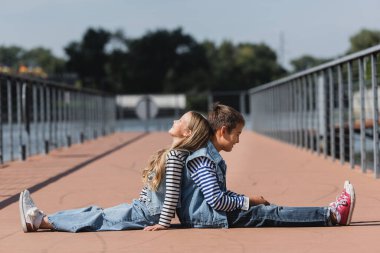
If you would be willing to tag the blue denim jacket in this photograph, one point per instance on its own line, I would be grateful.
(195, 211)
(155, 199)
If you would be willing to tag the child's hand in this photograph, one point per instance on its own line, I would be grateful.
(155, 228)
(258, 200)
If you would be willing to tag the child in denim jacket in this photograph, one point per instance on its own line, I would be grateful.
(206, 201)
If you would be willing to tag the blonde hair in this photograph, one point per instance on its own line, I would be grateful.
(200, 134)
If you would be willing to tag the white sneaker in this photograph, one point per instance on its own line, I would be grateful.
(350, 188)
(30, 216)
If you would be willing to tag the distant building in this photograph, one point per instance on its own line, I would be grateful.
(168, 104)
(368, 103)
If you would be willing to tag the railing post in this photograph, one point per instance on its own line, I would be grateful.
(68, 116)
(350, 114)
(35, 118)
(305, 116)
(288, 114)
(42, 117)
(242, 102)
(376, 167)
(362, 116)
(340, 102)
(1, 127)
(331, 107)
(10, 118)
(60, 121)
(326, 111)
(294, 113)
(298, 113)
(19, 118)
(48, 136)
(317, 104)
(54, 116)
(311, 114)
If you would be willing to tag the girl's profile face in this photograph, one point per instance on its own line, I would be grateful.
(180, 127)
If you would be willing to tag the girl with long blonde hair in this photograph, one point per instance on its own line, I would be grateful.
(158, 199)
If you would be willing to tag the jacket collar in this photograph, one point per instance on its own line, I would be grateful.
(214, 153)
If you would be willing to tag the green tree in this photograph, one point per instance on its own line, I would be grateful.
(364, 39)
(42, 57)
(116, 67)
(306, 61)
(165, 61)
(35, 58)
(88, 58)
(242, 66)
(168, 61)
(10, 56)
(257, 64)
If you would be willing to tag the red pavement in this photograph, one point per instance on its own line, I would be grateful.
(106, 172)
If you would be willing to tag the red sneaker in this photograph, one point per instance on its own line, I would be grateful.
(344, 205)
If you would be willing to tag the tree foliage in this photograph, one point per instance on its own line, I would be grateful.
(364, 39)
(88, 58)
(242, 66)
(43, 58)
(168, 61)
(165, 61)
(306, 61)
(15, 58)
(11, 56)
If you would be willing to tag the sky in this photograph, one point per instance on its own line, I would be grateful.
(321, 28)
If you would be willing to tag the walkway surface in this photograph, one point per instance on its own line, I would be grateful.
(106, 172)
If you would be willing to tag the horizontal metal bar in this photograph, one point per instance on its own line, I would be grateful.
(338, 61)
(24, 79)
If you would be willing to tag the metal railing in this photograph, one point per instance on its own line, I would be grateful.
(331, 109)
(37, 116)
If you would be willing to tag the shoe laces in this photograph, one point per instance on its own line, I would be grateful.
(29, 201)
(342, 200)
(35, 216)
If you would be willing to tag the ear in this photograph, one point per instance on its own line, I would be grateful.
(188, 133)
(223, 130)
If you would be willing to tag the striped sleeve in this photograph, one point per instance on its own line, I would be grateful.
(203, 172)
(233, 194)
(144, 194)
(175, 161)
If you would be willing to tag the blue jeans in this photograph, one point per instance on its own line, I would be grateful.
(279, 216)
(93, 218)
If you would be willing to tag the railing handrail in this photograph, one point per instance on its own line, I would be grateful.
(338, 61)
(53, 83)
(323, 108)
(40, 114)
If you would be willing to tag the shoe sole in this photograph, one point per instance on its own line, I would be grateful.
(346, 183)
(22, 213)
(350, 189)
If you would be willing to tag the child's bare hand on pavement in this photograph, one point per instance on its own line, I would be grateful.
(154, 228)
(258, 200)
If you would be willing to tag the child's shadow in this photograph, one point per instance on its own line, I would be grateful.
(365, 223)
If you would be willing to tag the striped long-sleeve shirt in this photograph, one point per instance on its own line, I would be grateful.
(203, 172)
(175, 160)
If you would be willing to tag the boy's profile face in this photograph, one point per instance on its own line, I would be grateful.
(227, 139)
